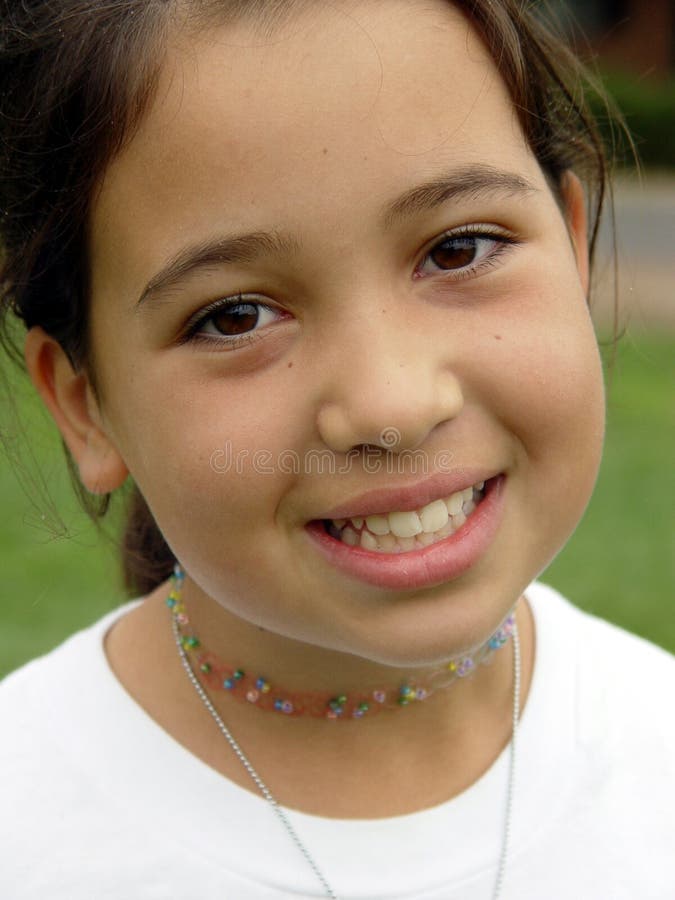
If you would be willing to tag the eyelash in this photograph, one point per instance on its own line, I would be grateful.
(503, 241)
(191, 333)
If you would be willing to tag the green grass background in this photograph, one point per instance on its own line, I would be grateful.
(59, 575)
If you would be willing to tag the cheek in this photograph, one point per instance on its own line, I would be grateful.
(207, 452)
(551, 395)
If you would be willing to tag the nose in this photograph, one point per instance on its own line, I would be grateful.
(386, 386)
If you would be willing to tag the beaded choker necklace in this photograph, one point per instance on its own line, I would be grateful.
(258, 691)
(189, 644)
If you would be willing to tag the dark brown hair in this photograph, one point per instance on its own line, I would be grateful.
(75, 79)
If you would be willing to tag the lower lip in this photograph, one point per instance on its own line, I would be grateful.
(427, 566)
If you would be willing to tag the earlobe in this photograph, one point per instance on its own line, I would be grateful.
(68, 396)
(574, 200)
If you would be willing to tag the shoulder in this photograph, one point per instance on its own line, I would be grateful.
(624, 684)
(600, 754)
(42, 699)
(610, 646)
(48, 781)
(78, 649)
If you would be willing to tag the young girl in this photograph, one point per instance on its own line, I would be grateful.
(315, 277)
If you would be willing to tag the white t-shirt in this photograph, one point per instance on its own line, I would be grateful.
(97, 802)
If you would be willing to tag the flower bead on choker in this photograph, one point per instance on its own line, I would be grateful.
(258, 691)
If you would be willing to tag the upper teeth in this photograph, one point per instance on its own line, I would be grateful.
(428, 519)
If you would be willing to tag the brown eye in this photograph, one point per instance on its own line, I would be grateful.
(233, 320)
(464, 253)
(455, 253)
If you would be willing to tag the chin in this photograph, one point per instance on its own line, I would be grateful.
(429, 630)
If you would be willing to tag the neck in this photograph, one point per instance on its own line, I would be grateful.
(352, 698)
(431, 751)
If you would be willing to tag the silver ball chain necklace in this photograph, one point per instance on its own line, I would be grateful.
(279, 811)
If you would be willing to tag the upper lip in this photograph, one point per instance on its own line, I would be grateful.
(407, 497)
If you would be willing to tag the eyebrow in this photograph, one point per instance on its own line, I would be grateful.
(239, 248)
(468, 182)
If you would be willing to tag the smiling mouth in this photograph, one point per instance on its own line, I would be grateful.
(401, 532)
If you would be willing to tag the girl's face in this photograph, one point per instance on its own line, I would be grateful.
(358, 183)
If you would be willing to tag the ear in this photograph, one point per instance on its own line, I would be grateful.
(70, 399)
(574, 209)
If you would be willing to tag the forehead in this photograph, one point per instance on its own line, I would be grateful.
(338, 107)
